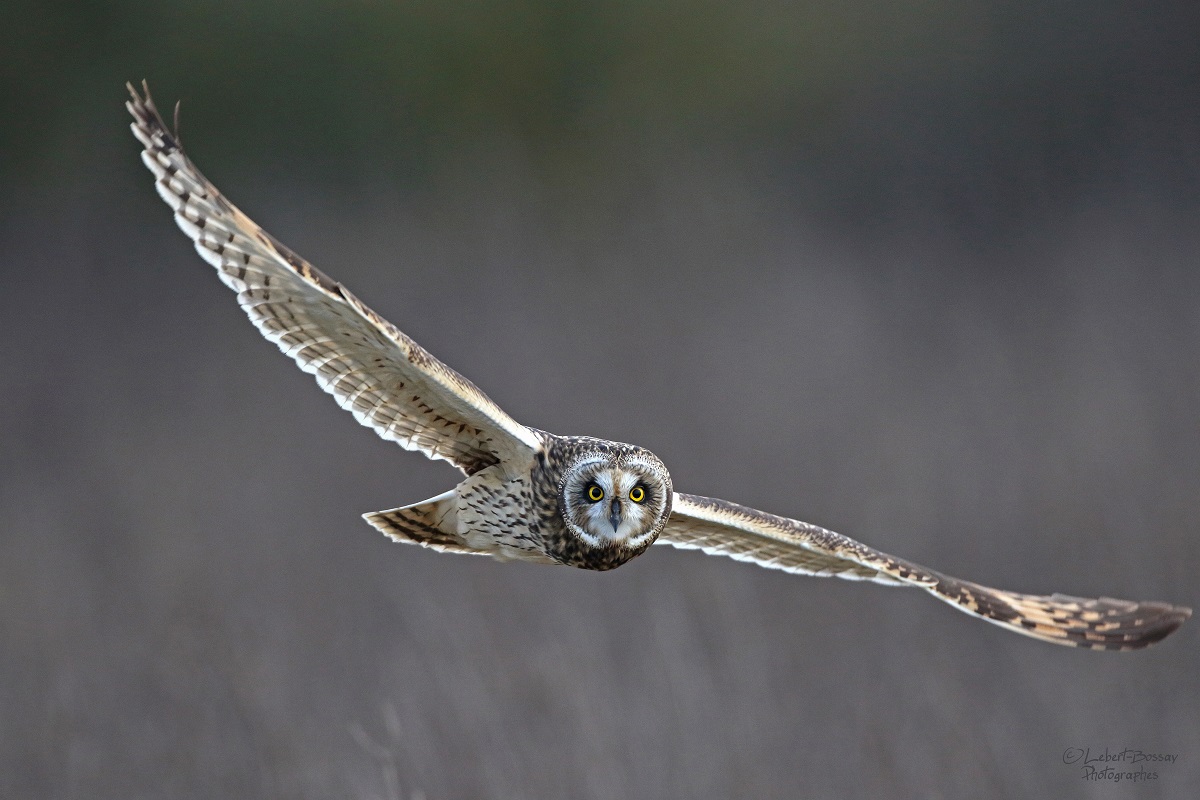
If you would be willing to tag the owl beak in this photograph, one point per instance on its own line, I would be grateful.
(614, 515)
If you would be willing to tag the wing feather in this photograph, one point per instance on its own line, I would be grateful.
(718, 527)
(377, 373)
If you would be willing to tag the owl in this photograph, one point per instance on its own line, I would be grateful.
(530, 495)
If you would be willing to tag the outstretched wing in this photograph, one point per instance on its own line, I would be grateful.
(727, 529)
(376, 372)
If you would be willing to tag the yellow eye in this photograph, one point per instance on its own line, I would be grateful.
(637, 494)
(595, 493)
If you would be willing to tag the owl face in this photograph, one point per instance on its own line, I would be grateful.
(616, 499)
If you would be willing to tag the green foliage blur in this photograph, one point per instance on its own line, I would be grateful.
(857, 108)
(345, 80)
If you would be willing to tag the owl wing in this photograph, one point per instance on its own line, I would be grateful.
(721, 528)
(385, 379)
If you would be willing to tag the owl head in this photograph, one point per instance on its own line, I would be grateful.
(614, 502)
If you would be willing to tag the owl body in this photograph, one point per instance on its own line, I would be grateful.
(525, 511)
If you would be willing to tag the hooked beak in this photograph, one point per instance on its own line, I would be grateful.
(614, 515)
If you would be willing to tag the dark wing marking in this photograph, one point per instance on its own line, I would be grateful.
(432, 523)
(721, 528)
(373, 370)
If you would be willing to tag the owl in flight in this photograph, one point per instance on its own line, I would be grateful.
(529, 495)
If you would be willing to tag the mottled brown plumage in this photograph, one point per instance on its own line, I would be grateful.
(530, 495)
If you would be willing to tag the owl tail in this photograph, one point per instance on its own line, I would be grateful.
(432, 523)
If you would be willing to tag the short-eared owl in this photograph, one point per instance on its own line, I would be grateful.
(530, 495)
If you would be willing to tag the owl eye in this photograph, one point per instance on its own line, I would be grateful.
(637, 494)
(595, 493)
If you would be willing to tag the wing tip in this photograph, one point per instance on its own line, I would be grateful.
(1103, 623)
(1125, 625)
(148, 122)
(1168, 620)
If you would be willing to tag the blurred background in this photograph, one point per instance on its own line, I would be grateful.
(927, 274)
